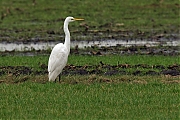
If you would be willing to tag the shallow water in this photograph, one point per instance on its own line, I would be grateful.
(20, 46)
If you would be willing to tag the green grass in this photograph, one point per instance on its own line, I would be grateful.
(148, 61)
(25, 20)
(35, 61)
(95, 101)
(91, 96)
(122, 59)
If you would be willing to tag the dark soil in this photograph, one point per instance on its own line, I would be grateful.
(142, 50)
(101, 69)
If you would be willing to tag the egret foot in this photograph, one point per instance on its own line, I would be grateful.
(57, 78)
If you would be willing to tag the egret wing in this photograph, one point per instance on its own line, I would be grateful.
(58, 58)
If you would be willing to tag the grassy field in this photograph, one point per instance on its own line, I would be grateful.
(24, 20)
(35, 61)
(90, 101)
(90, 59)
(90, 96)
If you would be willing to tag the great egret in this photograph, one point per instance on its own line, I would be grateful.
(60, 52)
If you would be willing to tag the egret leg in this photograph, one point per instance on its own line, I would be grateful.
(59, 77)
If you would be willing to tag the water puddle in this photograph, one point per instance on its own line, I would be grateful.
(20, 46)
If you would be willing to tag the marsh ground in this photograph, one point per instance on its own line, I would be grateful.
(42, 20)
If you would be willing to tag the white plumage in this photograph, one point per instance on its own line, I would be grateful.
(59, 54)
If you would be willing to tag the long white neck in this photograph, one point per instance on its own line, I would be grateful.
(67, 36)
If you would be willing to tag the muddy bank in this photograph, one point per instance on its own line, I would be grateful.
(97, 42)
(82, 44)
(132, 50)
(101, 69)
(91, 38)
(105, 50)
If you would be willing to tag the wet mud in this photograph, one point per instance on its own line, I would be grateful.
(101, 69)
(132, 50)
(25, 72)
(104, 50)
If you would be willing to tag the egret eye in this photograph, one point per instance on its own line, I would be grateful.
(72, 19)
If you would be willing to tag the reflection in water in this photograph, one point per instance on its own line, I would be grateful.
(82, 44)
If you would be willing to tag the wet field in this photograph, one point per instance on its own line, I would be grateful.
(145, 29)
(157, 46)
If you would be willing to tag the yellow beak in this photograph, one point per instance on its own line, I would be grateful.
(78, 19)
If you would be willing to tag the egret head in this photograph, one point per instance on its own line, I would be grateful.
(71, 19)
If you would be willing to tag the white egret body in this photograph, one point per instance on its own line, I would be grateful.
(60, 52)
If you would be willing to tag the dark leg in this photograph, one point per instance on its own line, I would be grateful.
(59, 77)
